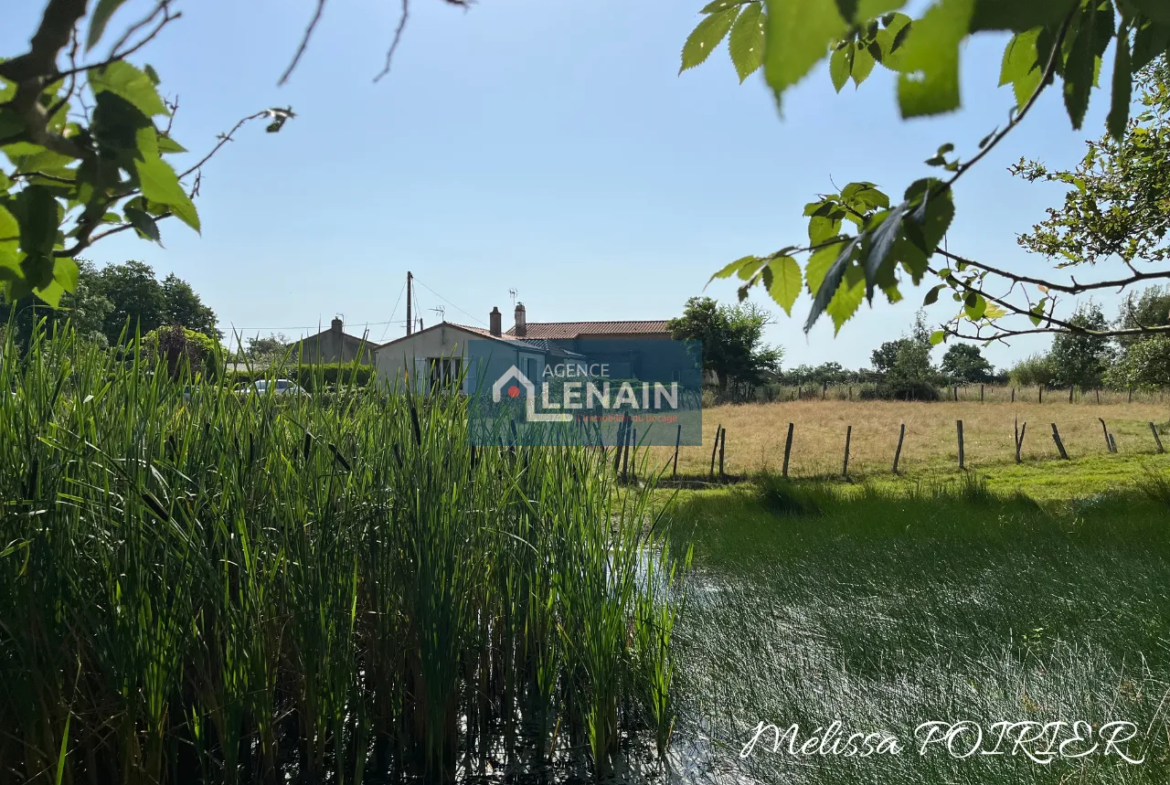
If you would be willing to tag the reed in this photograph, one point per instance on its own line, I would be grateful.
(254, 589)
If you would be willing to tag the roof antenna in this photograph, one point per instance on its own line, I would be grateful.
(512, 294)
(441, 311)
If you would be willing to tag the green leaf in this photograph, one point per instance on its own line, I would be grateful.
(1080, 66)
(937, 337)
(123, 79)
(168, 145)
(720, 5)
(829, 278)
(799, 33)
(1158, 10)
(1021, 66)
(706, 36)
(747, 41)
(847, 298)
(933, 216)
(976, 307)
(148, 69)
(932, 296)
(864, 196)
(822, 228)
(1150, 42)
(66, 272)
(863, 64)
(1122, 88)
(929, 82)
(9, 233)
(882, 238)
(143, 224)
(746, 262)
(841, 65)
(1019, 15)
(160, 184)
(101, 16)
(847, 9)
(784, 283)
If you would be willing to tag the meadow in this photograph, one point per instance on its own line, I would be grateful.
(756, 435)
(333, 589)
(885, 610)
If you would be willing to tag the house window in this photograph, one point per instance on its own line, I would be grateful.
(445, 373)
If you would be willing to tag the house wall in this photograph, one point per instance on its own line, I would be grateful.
(397, 362)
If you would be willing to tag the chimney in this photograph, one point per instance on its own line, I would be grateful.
(335, 326)
(495, 322)
(521, 329)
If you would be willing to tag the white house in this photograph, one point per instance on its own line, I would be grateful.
(434, 358)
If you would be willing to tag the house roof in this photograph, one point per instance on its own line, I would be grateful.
(562, 331)
(511, 340)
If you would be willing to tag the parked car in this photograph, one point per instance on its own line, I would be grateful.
(278, 387)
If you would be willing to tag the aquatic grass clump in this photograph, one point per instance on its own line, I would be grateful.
(252, 589)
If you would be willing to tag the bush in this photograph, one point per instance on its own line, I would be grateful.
(182, 349)
(1033, 371)
(901, 390)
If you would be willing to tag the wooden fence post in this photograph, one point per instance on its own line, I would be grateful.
(722, 447)
(788, 448)
(1105, 428)
(634, 460)
(1020, 432)
(1098, 395)
(848, 440)
(981, 393)
(1112, 444)
(714, 451)
(677, 442)
(1130, 395)
(1157, 439)
(851, 392)
(824, 390)
(619, 440)
(959, 428)
(1013, 395)
(898, 452)
(1059, 443)
(1040, 393)
(1071, 388)
(955, 392)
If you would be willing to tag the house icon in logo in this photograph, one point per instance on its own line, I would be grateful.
(530, 413)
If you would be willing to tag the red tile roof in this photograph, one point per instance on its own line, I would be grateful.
(563, 331)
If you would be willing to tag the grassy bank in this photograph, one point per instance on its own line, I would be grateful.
(887, 610)
(228, 589)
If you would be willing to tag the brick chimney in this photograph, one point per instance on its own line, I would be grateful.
(335, 326)
(521, 329)
(495, 322)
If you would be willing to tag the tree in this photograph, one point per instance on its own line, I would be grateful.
(268, 348)
(1144, 361)
(85, 308)
(965, 363)
(904, 366)
(1150, 309)
(732, 339)
(1033, 371)
(183, 306)
(860, 242)
(1081, 358)
(137, 299)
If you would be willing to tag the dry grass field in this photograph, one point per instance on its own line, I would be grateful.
(756, 435)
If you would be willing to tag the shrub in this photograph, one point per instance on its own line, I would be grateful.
(1033, 371)
(182, 349)
(314, 378)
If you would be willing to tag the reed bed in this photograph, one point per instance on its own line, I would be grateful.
(261, 589)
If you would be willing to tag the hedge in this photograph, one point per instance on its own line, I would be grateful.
(311, 377)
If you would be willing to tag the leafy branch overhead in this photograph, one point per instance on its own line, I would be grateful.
(86, 147)
(861, 243)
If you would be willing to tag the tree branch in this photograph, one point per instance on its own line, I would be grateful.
(304, 42)
(1075, 288)
(397, 39)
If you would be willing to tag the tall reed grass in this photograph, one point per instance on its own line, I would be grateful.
(261, 589)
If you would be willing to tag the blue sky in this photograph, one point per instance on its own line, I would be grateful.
(549, 147)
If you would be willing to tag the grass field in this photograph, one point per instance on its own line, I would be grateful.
(756, 434)
(885, 611)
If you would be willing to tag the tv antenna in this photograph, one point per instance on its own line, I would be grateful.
(512, 294)
(441, 311)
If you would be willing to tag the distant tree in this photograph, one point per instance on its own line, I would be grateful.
(85, 308)
(1081, 358)
(1144, 365)
(963, 362)
(732, 337)
(1033, 371)
(183, 306)
(267, 348)
(904, 367)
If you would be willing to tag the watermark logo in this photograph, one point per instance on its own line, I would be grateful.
(592, 392)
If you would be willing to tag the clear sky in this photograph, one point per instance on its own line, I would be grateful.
(547, 147)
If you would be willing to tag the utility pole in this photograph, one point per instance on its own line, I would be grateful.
(409, 295)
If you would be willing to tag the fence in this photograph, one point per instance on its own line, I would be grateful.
(963, 393)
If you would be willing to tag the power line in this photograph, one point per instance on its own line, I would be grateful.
(230, 326)
(444, 299)
(400, 291)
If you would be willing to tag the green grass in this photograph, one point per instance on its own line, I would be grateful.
(886, 608)
(339, 590)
